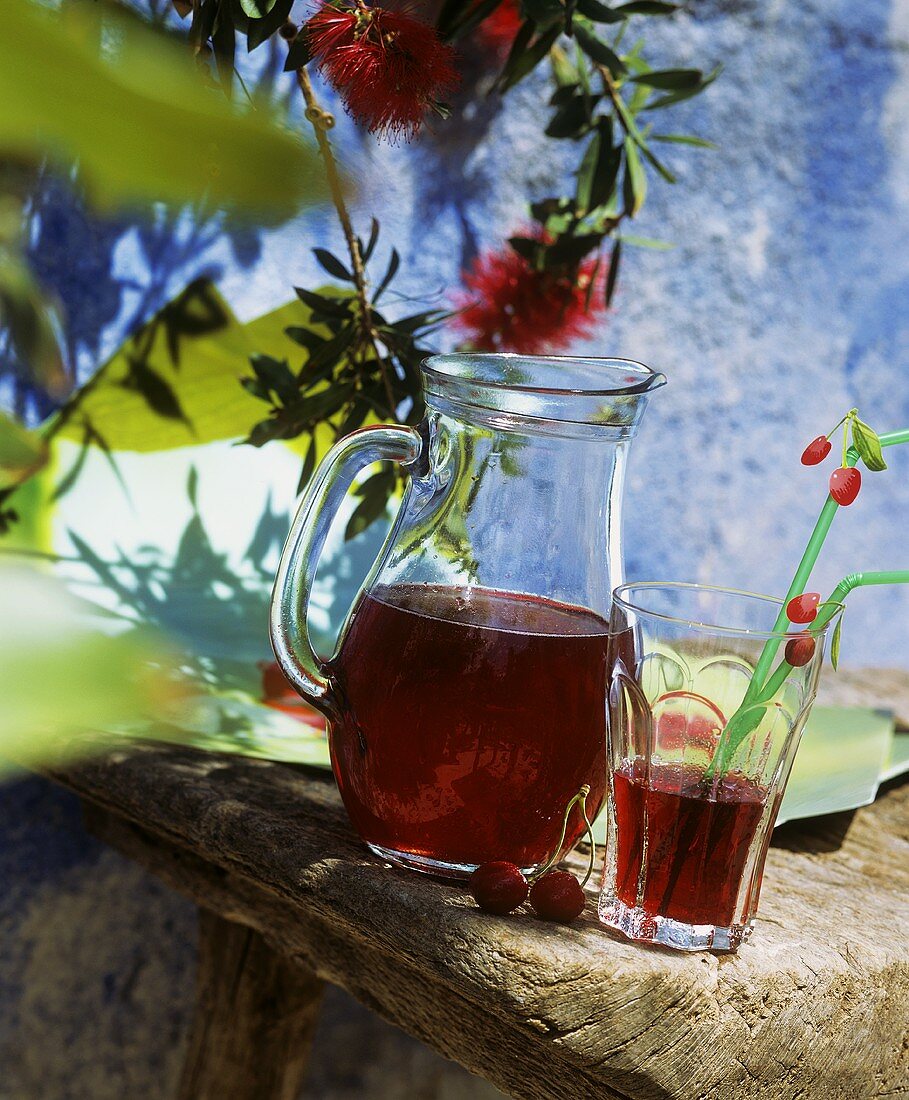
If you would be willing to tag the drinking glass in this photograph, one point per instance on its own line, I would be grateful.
(706, 708)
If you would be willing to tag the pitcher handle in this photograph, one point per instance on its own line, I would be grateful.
(300, 556)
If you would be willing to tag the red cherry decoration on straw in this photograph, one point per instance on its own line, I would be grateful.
(498, 886)
(845, 484)
(803, 609)
(816, 451)
(557, 896)
(800, 650)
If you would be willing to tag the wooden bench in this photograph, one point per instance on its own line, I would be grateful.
(815, 1007)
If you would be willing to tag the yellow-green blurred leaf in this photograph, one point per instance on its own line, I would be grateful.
(176, 382)
(61, 676)
(136, 116)
(21, 452)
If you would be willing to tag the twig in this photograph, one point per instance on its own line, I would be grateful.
(322, 121)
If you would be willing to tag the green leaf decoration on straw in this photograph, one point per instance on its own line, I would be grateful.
(867, 442)
(835, 644)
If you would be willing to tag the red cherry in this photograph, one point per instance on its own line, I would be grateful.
(803, 609)
(800, 650)
(498, 887)
(816, 451)
(557, 896)
(845, 483)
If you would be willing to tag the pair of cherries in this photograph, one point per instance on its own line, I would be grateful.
(845, 481)
(500, 887)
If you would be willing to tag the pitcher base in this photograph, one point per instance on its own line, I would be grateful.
(427, 865)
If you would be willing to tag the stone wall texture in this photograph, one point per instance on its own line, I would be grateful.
(783, 304)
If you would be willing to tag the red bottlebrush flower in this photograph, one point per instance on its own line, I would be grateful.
(508, 305)
(329, 29)
(497, 31)
(388, 67)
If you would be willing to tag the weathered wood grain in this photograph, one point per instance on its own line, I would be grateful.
(254, 1021)
(816, 1007)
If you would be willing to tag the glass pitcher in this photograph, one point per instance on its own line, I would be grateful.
(466, 696)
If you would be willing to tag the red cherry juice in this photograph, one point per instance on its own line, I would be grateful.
(472, 716)
(697, 840)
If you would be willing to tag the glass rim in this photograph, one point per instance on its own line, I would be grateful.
(618, 597)
(650, 379)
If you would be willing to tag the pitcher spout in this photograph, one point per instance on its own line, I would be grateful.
(563, 395)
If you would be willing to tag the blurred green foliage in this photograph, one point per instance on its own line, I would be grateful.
(61, 676)
(95, 84)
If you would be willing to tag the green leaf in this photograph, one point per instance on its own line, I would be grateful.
(321, 304)
(608, 165)
(137, 118)
(393, 264)
(683, 139)
(22, 452)
(260, 30)
(529, 248)
(647, 7)
(224, 45)
(564, 94)
(276, 376)
(672, 79)
(564, 73)
(525, 55)
(543, 12)
(647, 242)
(332, 264)
(635, 183)
(587, 173)
(598, 12)
(684, 93)
(457, 18)
(571, 249)
(257, 9)
(866, 442)
(612, 274)
(835, 643)
(366, 253)
(572, 119)
(309, 465)
(329, 354)
(298, 54)
(375, 492)
(597, 50)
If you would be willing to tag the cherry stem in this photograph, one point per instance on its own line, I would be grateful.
(580, 800)
(593, 845)
(852, 412)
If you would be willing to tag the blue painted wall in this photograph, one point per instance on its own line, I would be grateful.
(783, 304)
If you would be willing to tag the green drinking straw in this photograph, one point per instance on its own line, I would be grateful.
(756, 695)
